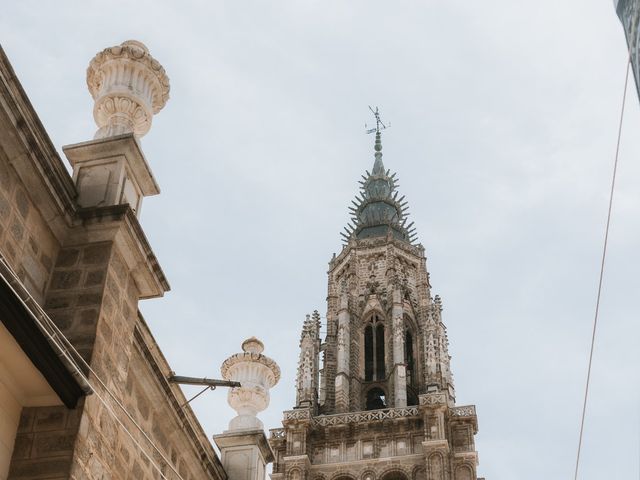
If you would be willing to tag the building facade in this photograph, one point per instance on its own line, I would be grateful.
(375, 399)
(85, 391)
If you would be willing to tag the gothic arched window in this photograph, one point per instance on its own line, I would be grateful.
(374, 350)
(412, 397)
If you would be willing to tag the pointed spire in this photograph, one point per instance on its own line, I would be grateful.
(378, 166)
(377, 211)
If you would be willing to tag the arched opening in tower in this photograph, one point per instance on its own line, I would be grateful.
(374, 359)
(376, 399)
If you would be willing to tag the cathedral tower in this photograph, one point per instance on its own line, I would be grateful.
(375, 400)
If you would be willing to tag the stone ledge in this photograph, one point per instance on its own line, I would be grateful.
(118, 224)
(239, 438)
(125, 145)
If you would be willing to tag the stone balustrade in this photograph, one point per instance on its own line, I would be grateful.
(465, 411)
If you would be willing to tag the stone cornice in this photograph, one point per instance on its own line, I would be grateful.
(244, 438)
(118, 223)
(126, 145)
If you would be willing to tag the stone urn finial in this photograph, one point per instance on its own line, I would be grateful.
(128, 86)
(256, 373)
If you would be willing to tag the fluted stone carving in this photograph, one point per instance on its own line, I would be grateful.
(256, 373)
(128, 86)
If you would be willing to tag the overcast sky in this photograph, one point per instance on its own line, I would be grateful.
(504, 116)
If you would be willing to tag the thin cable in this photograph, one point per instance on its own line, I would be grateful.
(602, 263)
(59, 335)
(115, 399)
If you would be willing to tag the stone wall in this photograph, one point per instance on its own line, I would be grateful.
(45, 443)
(26, 241)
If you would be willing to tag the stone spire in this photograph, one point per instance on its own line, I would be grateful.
(128, 86)
(377, 211)
(307, 376)
(436, 345)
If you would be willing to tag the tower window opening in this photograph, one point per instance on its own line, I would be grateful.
(368, 353)
(376, 399)
(374, 361)
(408, 357)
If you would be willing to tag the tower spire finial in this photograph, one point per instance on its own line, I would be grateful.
(378, 166)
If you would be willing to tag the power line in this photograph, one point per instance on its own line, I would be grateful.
(602, 263)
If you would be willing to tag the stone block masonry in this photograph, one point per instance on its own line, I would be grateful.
(45, 443)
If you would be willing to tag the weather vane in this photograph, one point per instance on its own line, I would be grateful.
(379, 123)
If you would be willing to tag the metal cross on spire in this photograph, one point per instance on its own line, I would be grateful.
(379, 123)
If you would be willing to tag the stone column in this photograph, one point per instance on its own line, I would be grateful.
(244, 447)
(399, 367)
(344, 341)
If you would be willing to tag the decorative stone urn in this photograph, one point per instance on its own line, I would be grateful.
(128, 86)
(256, 373)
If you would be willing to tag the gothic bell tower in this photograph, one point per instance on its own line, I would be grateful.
(375, 400)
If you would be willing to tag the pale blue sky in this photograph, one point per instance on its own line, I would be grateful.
(504, 119)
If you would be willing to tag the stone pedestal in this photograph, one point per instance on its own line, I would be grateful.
(111, 171)
(245, 454)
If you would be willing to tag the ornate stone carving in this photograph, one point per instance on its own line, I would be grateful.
(297, 414)
(128, 86)
(433, 399)
(364, 416)
(256, 374)
(464, 411)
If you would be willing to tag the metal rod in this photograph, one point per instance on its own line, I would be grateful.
(202, 381)
(197, 395)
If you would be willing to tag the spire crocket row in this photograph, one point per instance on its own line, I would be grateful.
(375, 399)
(377, 211)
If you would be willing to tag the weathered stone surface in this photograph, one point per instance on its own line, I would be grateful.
(22, 203)
(65, 279)
(97, 254)
(94, 278)
(50, 419)
(22, 446)
(67, 257)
